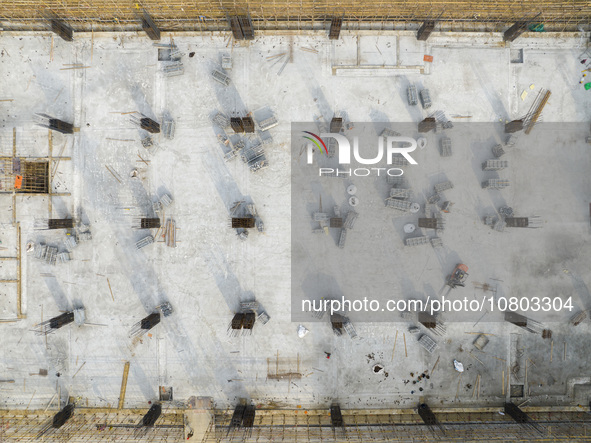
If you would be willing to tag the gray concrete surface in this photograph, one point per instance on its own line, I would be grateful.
(210, 271)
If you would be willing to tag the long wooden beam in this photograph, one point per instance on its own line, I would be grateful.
(531, 123)
(123, 385)
(50, 178)
(19, 285)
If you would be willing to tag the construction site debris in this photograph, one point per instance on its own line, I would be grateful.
(302, 331)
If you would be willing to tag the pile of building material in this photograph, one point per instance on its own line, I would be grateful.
(499, 150)
(446, 207)
(144, 241)
(165, 309)
(173, 68)
(416, 241)
(82, 234)
(443, 186)
(146, 123)
(163, 202)
(54, 124)
(145, 223)
(221, 120)
(235, 149)
(220, 77)
(494, 165)
(144, 325)
(149, 145)
(432, 322)
(578, 318)
(436, 223)
(399, 205)
(427, 124)
(244, 216)
(350, 220)
(349, 328)
(345, 121)
(481, 342)
(254, 156)
(337, 322)
(436, 242)
(268, 123)
(428, 343)
(337, 222)
(242, 324)
(331, 147)
(242, 124)
(442, 121)
(46, 253)
(411, 94)
(250, 149)
(265, 119)
(230, 150)
(400, 195)
(54, 223)
(77, 316)
(445, 150)
(437, 194)
(507, 219)
(387, 132)
(168, 128)
(425, 98)
(526, 323)
(263, 318)
(336, 124)
(249, 306)
(497, 165)
(52, 254)
(495, 183)
(70, 242)
(226, 62)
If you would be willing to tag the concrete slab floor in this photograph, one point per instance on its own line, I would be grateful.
(210, 271)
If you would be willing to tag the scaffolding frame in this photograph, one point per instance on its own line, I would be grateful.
(36, 178)
(17, 280)
(36, 175)
(206, 15)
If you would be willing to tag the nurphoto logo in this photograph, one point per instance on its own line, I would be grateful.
(395, 145)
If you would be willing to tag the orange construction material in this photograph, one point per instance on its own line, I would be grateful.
(428, 58)
(18, 181)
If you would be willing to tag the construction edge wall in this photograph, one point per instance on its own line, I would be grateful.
(553, 423)
(212, 15)
(404, 425)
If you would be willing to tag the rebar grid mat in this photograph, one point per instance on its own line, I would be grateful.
(316, 426)
(210, 15)
(89, 426)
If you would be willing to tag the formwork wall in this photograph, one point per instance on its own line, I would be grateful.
(171, 15)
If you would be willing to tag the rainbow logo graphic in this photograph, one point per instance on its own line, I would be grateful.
(316, 142)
